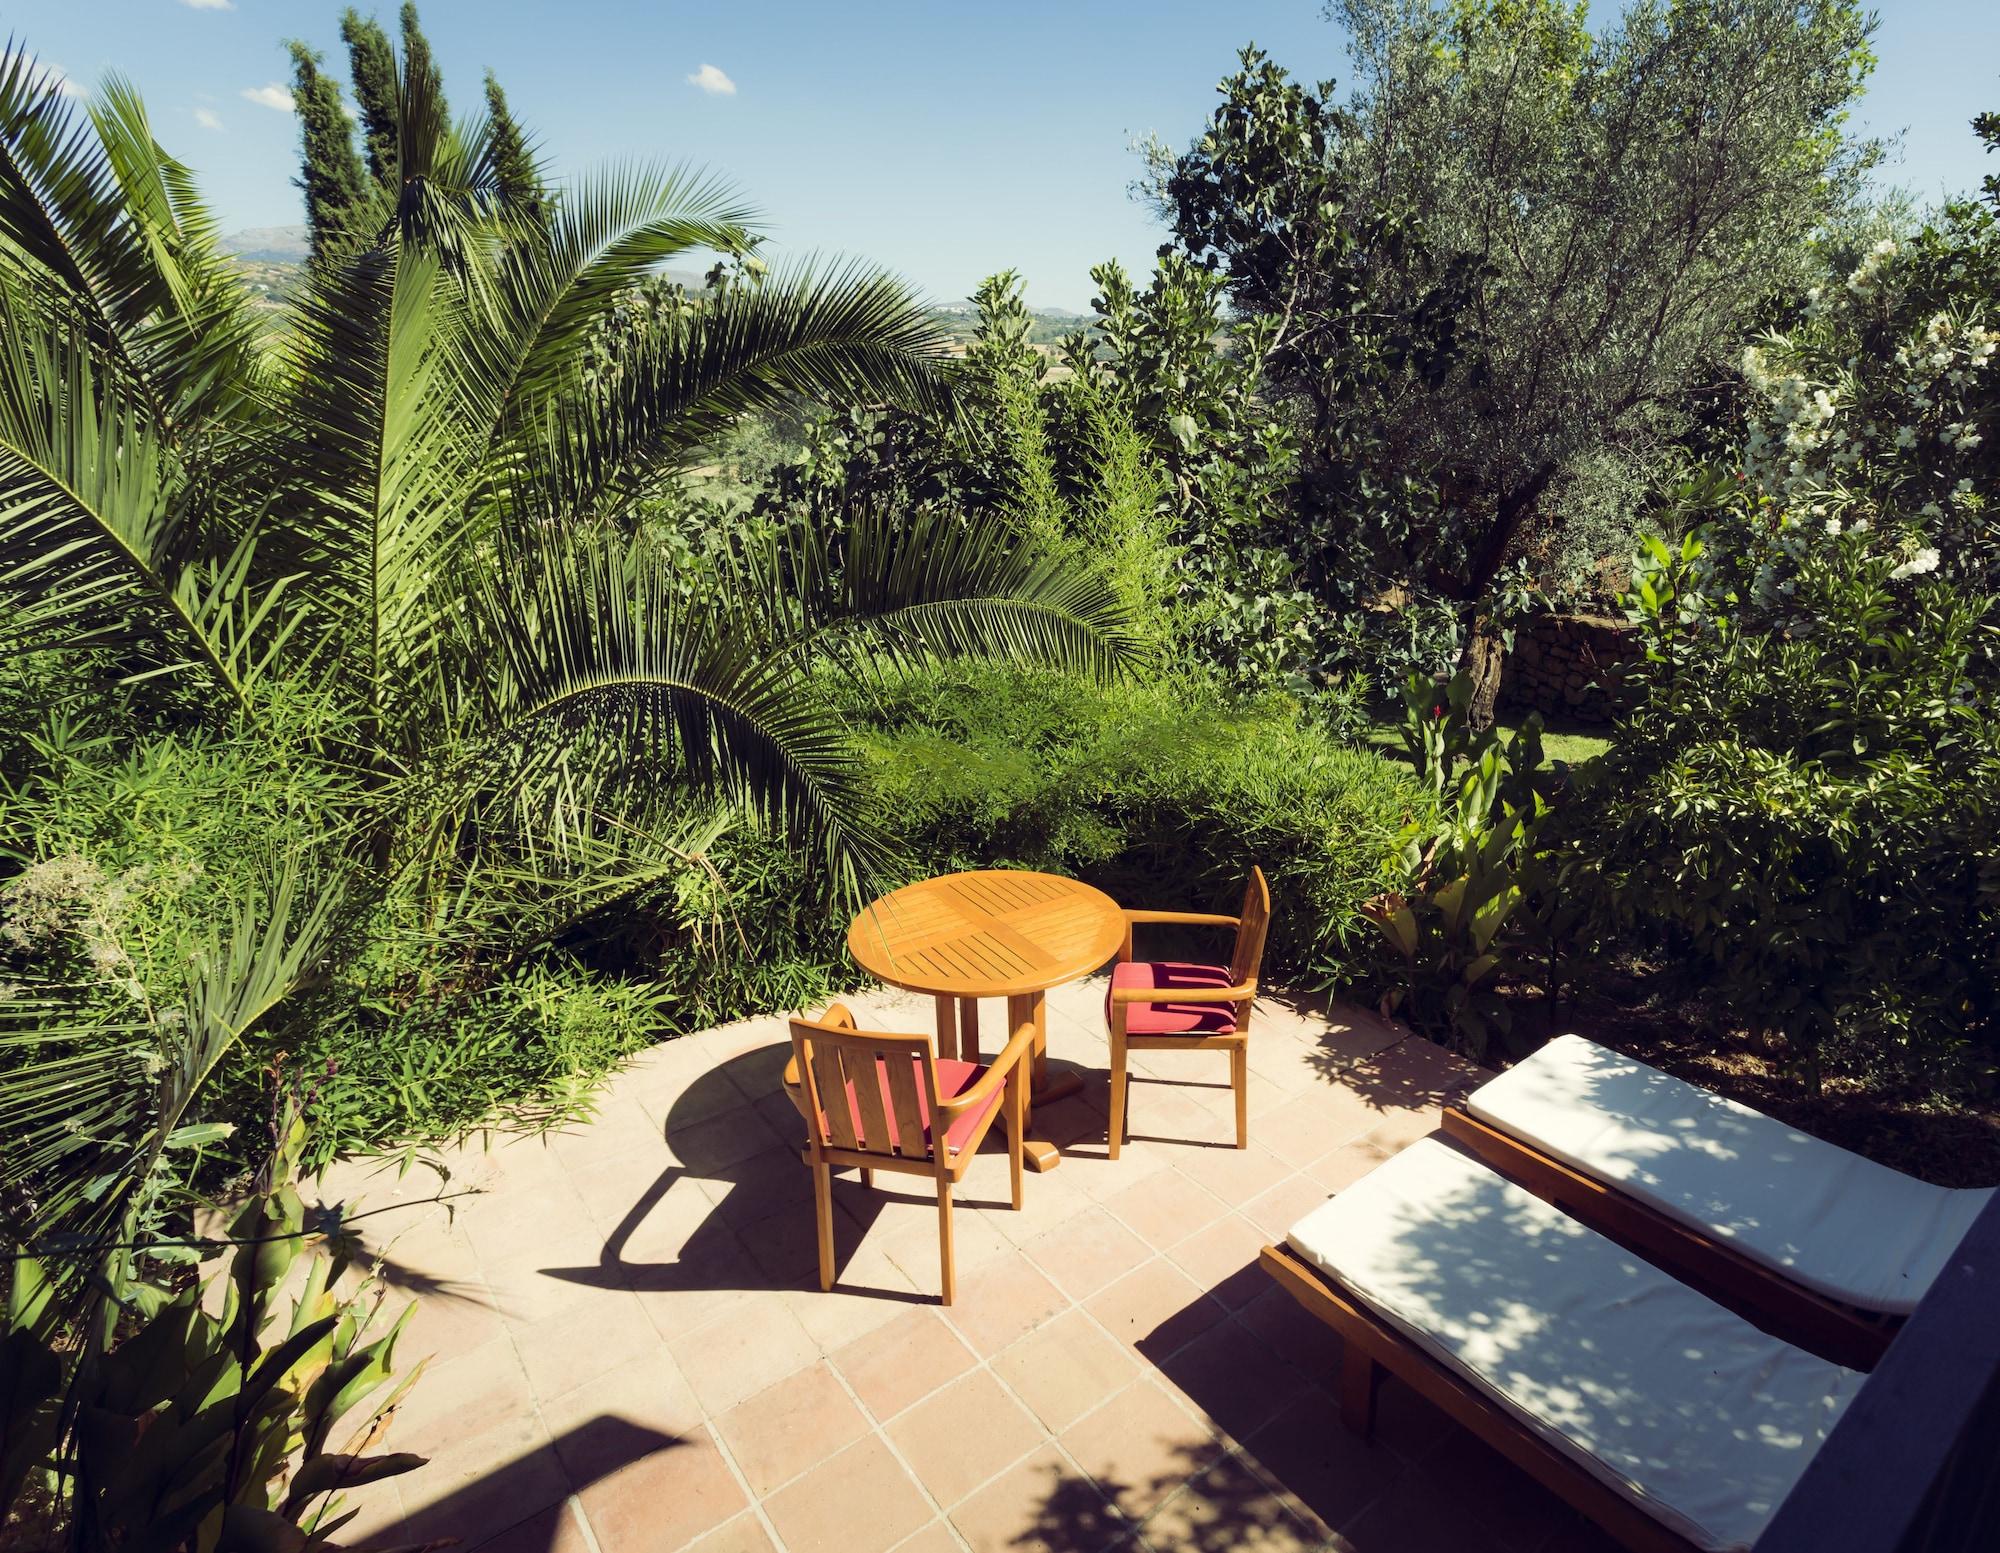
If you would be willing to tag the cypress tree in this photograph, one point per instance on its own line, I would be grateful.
(330, 171)
(417, 58)
(521, 188)
(373, 64)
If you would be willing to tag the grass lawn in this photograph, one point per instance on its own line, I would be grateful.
(1574, 745)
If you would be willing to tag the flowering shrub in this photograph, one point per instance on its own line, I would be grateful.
(1882, 407)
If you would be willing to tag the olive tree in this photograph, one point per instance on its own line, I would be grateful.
(1557, 235)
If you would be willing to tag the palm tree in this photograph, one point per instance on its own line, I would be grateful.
(419, 504)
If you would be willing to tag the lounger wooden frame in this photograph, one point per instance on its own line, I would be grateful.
(1370, 1346)
(1764, 1298)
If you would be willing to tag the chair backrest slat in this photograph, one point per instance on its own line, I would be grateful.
(866, 1072)
(1254, 925)
(909, 1119)
(831, 1078)
(844, 1071)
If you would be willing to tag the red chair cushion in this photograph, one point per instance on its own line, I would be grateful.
(1168, 1017)
(954, 1079)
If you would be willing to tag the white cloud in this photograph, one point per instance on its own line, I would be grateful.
(209, 5)
(207, 118)
(270, 95)
(713, 81)
(53, 75)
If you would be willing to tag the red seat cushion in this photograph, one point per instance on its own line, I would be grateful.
(954, 1079)
(1168, 1017)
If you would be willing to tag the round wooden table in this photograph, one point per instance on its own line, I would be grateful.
(993, 934)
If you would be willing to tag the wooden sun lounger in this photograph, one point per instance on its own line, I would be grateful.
(1668, 1419)
(1370, 1347)
(1851, 1337)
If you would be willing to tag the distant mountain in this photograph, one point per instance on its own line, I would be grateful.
(268, 244)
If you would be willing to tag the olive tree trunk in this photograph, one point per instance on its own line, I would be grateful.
(1484, 657)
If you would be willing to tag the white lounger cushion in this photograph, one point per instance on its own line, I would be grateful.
(1687, 1410)
(1841, 1225)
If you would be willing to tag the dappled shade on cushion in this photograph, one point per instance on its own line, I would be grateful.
(1168, 1017)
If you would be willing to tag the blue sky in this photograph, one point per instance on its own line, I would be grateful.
(946, 139)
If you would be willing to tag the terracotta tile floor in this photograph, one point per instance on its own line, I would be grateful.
(630, 1352)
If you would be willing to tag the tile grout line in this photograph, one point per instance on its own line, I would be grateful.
(1231, 1446)
(574, 1504)
(743, 1482)
(879, 1427)
(1050, 1437)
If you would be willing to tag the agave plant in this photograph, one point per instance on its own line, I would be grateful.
(417, 500)
(208, 1424)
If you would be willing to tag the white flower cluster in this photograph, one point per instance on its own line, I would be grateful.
(1820, 422)
(1867, 276)
(1925, 560)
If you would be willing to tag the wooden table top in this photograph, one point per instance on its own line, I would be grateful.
(993, 934)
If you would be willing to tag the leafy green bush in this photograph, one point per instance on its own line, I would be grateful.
(1800, 808)
(1160, 793)
(409, 1058)
(746, 928)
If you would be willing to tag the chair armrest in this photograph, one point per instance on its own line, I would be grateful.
(1011, 1056)
(1184, 994)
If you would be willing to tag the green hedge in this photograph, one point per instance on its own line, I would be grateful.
(1162, 794)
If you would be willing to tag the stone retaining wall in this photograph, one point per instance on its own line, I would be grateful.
(1568, 667)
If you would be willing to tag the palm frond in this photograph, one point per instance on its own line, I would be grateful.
(62, 209)
(92, 210)
(609, 233)
(100, 538)
(198, 347)
(448, 200)
(509, 873)
(75, 1081)
(602, 675)
(384, 456)
(893, 587)
(93, 1087)
(846, 335)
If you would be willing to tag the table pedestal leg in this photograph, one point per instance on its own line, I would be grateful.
(968, 1029)
(1034, 1006)
(947, 1026)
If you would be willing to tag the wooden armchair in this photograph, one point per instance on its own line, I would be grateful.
(1162, 1005)
(878, 1101)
